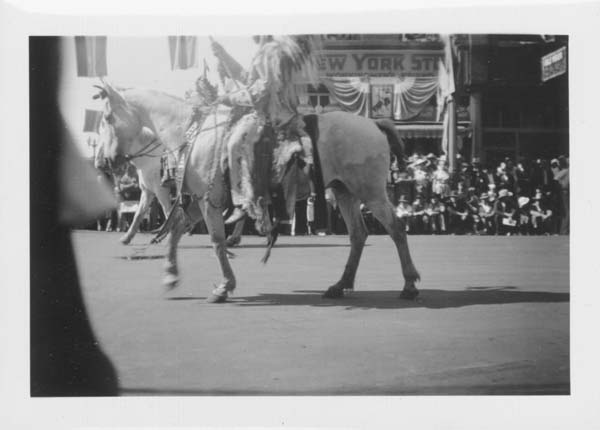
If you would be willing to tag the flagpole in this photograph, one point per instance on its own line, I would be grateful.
(451, 106)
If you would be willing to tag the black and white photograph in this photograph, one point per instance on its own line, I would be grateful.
(202, 156)
(330, 215)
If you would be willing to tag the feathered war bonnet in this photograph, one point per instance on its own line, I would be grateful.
(280, 59)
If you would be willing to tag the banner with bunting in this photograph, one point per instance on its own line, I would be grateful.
(91, 56)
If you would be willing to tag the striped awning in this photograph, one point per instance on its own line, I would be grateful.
(433, 130)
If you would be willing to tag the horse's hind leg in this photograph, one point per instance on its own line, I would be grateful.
(350, 209)
(396, 228)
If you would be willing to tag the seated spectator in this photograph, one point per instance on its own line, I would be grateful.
(404, 211)
(461, 190)
(421, 177)
(486, 214)
(523, 216)
(420, 217)
(127, 190)
(478, 179)
(435, 211)
(505, 211)
(404, 184)
(541, 215)
(523, 182)
(440, 180)
(459, 218)
(472, 202)
(430, 163)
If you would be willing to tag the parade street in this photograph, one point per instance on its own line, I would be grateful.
(492, 317)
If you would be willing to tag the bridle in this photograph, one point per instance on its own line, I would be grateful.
(146, 151)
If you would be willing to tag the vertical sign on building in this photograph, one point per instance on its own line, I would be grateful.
(554, 64)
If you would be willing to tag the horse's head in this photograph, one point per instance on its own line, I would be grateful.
(122, 131)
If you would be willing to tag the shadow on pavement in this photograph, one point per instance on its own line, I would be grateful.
(431, 299)
(282, 245)
(445, 390)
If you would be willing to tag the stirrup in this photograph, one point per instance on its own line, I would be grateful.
(238, 214)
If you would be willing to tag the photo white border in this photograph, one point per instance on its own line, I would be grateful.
(580, 410)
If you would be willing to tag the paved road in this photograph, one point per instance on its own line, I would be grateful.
(492, 317)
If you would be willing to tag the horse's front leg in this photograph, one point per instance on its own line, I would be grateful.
(171, 277)
(236, 236)
(145, 200)
(216, 228)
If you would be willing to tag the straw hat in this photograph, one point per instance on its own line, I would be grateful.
(522, 201)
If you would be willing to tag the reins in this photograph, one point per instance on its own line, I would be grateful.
(145, 152)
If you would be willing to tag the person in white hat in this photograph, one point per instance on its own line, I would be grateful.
(441, 180)
(459, 218)
(422, 178)
(405, 211)
(420, 217)
(486, 214)
(523, 216)
(541, 215)
(436, 211)
(505, 213)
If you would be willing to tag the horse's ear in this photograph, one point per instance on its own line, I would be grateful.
(114, 96)
(100, 95)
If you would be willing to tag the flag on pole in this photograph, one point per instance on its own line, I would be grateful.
(183, 52)
(92, 121)
(228, 67)
(446, 86)
(91, 56)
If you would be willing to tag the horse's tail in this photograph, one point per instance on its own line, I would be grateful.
(394, 140)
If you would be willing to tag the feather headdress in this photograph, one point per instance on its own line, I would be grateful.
(278, 61)
(227, 65)
(279, 57)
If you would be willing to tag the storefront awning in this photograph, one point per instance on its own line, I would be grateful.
(427, 130)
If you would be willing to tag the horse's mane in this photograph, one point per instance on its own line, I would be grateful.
(157, 101)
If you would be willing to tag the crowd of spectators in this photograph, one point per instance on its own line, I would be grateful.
(529, 197)
(127, 194)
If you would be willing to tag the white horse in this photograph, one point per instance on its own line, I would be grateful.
(352, 152)
(148, 167)
(148, 164)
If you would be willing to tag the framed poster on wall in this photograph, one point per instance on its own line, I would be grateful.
(382, 97)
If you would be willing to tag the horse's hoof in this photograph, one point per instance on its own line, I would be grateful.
(333, 293)
(409, 293)
(125, 240)
(217, 298)
(233, 241)
(170, 281)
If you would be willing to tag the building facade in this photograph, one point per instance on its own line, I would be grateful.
(503, 106)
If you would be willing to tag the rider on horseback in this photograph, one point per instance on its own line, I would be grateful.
(201, 97)
(267, 98)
